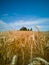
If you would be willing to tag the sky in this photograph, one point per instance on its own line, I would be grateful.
(15, 14)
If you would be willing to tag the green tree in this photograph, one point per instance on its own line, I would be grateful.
(31, 29)
(23, 28)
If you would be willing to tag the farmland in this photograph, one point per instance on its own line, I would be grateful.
(26, 45)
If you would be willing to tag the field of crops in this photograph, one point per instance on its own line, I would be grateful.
(20, 47)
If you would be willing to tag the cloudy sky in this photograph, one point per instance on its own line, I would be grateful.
(29, 13)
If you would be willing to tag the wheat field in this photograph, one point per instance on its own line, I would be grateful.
(23, 46)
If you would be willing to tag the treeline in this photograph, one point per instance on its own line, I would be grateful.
(25, 29)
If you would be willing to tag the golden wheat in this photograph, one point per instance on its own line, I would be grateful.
(25, 44)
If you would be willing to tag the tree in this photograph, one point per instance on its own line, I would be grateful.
(31, 29)
(23, 28)
(28, 29)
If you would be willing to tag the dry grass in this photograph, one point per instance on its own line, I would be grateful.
(25, 44)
